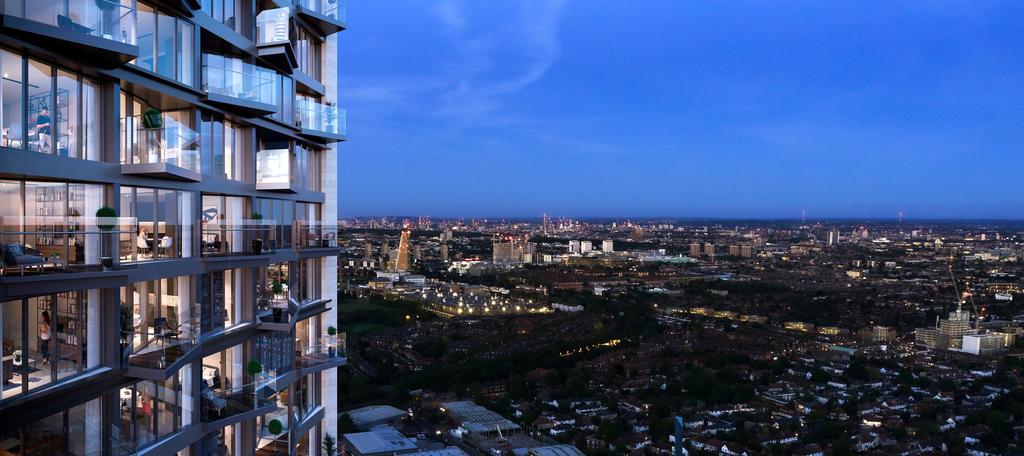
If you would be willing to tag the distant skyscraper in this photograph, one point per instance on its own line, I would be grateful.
(444, 253)
(734, 250)
(400, 262)
(574, 246)
(417, 252)
(368, 252)
(608, 245)
(545, 224)
(833, 237)
(746, 251)
(586, 246)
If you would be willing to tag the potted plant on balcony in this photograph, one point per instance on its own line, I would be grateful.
(152, 119)
(257, 243)
(275, 427)
(330, 445)
(332, 340)
(104, 222)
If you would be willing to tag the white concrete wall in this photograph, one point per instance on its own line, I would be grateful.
(329, 265)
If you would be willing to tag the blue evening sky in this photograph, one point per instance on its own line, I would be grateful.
(683, 108)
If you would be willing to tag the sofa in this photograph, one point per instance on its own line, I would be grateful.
(18, 256)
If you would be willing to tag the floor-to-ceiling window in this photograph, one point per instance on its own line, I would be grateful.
(151, 410)
(164, 223)
(166, 45)
(52, 220)
(45, 339)
(223, 144)
(53, 114)
(224, 228)
(76, 431)
(221, 300)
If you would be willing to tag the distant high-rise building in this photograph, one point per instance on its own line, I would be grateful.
(444, 252)
(746, 251)
(695, 250)
(709, 249)
(608, 246)
(734, 250)
(586, 246)
(400, 261)
(368, 252)
(545, 224)
(574, 246)
(513, 251)
(833, 237)
(417, 252)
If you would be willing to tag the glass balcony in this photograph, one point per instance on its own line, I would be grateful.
(112, 20)
(328, 16)
(231, 81)
(324, 120)
(159, 346)
(328, 351)
(63, 244)
(174, 143)
(316, 234)
(221, 403)
(272, 26)
(243, 237)
(332, 9)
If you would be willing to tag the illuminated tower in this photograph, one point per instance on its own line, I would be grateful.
(401, 261)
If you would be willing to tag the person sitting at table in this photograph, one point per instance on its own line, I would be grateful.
(142, 240)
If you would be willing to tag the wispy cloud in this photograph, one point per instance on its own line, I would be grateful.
(494, 63)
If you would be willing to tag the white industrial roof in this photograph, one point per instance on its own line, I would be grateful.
(363, 417)
(382, 439)
(556, 450)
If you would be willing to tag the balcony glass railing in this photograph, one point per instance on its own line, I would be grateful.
(236, 79)
(326, 350)
(220, 403)
(316, 234)
(108, 19)
(159, 347)
(59, 244)
(272, 26)
(273, 166)
(324, 118)
(173, 143)
(334, 9)
(244, 237)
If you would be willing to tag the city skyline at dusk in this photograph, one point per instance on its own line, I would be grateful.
(752, 111)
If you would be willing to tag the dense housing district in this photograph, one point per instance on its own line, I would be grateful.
(731, 337)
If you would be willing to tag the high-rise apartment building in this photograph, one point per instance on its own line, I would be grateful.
(168, 207)
(695, 250)
(608, 246)
(586, 246)
(709, 249)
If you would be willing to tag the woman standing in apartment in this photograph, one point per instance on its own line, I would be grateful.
(44, 336)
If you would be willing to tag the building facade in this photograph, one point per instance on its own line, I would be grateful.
(168, 207)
